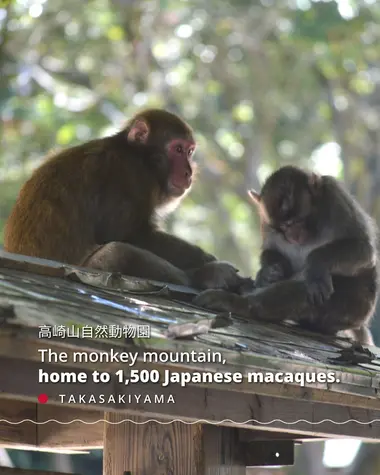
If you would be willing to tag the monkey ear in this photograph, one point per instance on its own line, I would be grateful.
(314, 182)
(138, 132)
(255, 197)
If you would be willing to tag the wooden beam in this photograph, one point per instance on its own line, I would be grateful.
(193, 403)
(86, 432)
(17, 434)
(77, 435)
(26, 348)
(152, 448)
(52, 436)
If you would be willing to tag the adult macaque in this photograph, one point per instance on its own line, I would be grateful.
(318, 262)
(97, 205)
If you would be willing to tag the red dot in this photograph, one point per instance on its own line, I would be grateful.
(43, 398)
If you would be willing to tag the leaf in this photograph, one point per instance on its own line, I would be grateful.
(115, 33)
(66, 134)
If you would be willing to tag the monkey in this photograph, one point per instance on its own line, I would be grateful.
(318, 264)
(98, 205)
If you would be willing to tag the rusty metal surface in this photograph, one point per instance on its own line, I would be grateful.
(54, 294)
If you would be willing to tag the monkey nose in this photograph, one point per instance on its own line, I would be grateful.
(188, 176)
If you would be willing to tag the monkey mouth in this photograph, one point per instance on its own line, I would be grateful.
(176, 190)
(296, 240)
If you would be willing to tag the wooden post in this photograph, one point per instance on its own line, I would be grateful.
(223, 453)
(169, 449)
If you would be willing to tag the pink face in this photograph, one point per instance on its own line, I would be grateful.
(180, 153)
(295, 233)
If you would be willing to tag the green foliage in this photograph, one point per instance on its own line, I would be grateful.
(262, 83)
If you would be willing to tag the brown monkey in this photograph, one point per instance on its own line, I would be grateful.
(97, 205)
(319, 258)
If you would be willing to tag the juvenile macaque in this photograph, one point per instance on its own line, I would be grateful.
(318, 261)
(97, 205)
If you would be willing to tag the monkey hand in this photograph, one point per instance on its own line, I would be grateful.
(319, 285)
(222, 301)
(247, 286)
(269, 275)
(218, 275)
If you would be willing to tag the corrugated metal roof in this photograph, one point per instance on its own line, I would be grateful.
(35, 292)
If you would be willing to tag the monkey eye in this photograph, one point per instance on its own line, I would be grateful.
(284, 225)
(299, 220)
(190, 152)
(179, 149)
(292, 222)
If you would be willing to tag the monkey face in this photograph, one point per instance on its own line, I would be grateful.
(291, 217)
(179, 153)
(294, 231)
(169, 146)
(286, 204)
(290, 213)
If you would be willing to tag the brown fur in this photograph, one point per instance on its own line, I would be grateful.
(96, 205)
(319, 258)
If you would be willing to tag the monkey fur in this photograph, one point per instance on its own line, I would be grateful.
(319, 265)
(97, 205)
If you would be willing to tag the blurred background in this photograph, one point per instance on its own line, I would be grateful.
(263, 83)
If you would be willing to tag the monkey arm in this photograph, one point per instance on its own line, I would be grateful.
(130, 260)
(274, 258)
(284, 300)
(349, 308)
(346, 256)
(274, 267)
(203, 270)
(175, 250)
(222, 301)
